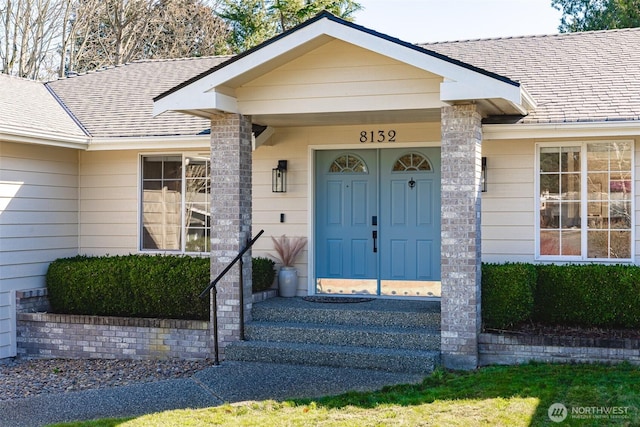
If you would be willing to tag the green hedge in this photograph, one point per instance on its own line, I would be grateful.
(130, 286)
(593, 295)
(263, 273)
(507, 294)
(588, 295)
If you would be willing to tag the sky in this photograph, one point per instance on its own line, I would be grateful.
(422, 21)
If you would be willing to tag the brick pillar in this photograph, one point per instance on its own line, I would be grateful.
(460, 251)
(230, 219)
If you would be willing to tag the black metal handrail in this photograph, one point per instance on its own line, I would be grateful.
(214, 283)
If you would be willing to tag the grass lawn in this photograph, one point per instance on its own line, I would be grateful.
(594, 395)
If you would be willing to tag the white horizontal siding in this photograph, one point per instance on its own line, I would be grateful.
(508, 232)
(38, 211)
(7, 324)
(109, 202)
(339, 76)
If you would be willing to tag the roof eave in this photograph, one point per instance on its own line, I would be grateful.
(25, 136)
(597, 129)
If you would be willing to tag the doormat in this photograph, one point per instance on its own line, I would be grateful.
(342, 300)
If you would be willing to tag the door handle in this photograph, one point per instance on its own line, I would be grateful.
(374, 234)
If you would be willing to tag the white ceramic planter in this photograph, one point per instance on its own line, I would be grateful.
(288, 281)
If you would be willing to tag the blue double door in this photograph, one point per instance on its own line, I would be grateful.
(377, 221)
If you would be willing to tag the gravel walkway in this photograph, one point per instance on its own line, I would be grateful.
(32, 377)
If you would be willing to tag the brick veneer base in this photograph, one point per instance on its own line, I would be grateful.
(503, 349)
(87, 337)
(90, 337)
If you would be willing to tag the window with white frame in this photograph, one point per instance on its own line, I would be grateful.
(175, 203)
(585, 201)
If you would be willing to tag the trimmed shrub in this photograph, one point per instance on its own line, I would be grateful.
(130, 286)
(593, 295)
(507, 294)
(263, 273)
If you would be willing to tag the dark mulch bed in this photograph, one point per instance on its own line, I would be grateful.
(533, 329)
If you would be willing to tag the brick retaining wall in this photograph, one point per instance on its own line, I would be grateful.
(41, 334)
(506, 349)
(87, 337)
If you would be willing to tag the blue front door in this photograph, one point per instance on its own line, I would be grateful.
(378, 222)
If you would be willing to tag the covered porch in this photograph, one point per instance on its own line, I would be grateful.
(332, 86)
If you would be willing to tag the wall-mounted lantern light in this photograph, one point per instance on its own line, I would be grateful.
(483, 178)
(279, 177)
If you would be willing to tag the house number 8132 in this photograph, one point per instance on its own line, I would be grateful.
(378, 136)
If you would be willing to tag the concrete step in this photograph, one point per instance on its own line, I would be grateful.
(379, 312)
(346, 335)
(394, 360)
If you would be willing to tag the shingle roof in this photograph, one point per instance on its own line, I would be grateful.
(26, 105)
(576, 77)
(118, 101)
(573, 77)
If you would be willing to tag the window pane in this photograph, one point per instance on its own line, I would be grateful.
(620, 214)
(549, 214)
(570, 186)
(348, 164)
(173, 186)
(597, 185)
(620, 244)
(570, 243)
(411, 162)
(598, 157)
(549, 159)
(570, 159)
(549, 243)
(620, 182)
(620, 156)
(598, 214)
(570, 215)
(198, 240)
(550, 184)
(598, 244)
(152, 185)
(152, 167)
(172, 168)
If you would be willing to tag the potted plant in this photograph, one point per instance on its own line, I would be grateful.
(287, 250)
(263, 273)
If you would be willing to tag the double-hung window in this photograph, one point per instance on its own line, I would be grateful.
(175, 203)
(585, 201)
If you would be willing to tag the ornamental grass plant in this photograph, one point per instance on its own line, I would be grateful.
(288, 248)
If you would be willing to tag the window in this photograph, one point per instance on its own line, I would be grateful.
(348, 163)
(412, 162)
(585, 201)
(176, 209)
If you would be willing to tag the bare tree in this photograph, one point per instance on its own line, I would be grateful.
(29, 31)
(113, 32)
(185, 28)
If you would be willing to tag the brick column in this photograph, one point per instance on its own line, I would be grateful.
(460, 251)
(230, 219)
